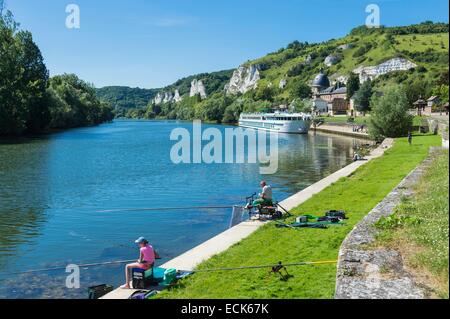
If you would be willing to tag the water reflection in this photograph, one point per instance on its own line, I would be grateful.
(52, 188)
(24, 194)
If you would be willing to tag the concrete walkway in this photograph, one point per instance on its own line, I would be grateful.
(192, 258)
(340, 130)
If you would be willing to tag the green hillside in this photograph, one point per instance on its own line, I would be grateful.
(123, 97)
(133, 102)
(424, 44)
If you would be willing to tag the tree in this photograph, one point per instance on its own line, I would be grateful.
(363, 97)
(73, 103)
(23, 80)
(233, 111)
(442, 92)
(33, 83)
(418, 88)
(29, 101)
(300, 90)
(302, 106)
(390, 116)
(12, 111)
(352, 85)
(265, 93)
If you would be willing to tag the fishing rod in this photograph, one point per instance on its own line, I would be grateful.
(267, 266)
(192, 271)
(145, 209)
(162, 209)
(117, 262)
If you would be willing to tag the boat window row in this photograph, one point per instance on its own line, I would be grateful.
(284, 118)
(273, 118)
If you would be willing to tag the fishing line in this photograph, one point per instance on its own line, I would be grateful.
(64, 268)
(267, 266)
(162, 209)
(192, 271)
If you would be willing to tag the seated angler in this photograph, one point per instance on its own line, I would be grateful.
(147, 256)
(265, 197)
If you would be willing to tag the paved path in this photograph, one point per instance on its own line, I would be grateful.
(192, 258)
(340, 130)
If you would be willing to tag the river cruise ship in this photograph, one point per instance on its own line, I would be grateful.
(295, 123)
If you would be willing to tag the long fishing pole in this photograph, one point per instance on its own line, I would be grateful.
(267, 266)
(162, 209)
(192, 271)
(64, 268)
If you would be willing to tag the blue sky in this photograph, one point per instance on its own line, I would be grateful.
(152, 43)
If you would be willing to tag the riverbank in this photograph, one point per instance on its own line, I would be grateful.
(220, 243)
(357, 194)
(81, 172)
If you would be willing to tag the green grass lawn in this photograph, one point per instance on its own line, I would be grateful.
(344, 119)
(419, 228)
(417, 121)
(357, 195)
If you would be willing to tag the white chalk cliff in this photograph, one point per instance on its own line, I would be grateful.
(372, 72)
(167, 97)
(158, 98)
(243, 80)
(197, 88)
(177, 98)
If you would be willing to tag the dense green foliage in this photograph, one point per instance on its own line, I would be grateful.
(74, 103)
(301, 90)
(390, 117)
(419, 227)
(353, 85)
(23, 81)
(30, 102)
(363, 96)
(356, 194)
(123, 98)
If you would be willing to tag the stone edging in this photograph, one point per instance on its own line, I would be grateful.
(360, 271)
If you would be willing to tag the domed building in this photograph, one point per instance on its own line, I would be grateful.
(320, 83)
(334, 96)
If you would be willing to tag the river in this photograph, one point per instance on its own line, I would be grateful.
(52, 188)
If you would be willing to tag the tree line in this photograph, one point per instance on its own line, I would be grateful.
(31, 101)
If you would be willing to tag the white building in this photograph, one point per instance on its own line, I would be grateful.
(320, 106)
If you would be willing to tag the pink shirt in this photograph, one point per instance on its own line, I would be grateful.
(148, 254)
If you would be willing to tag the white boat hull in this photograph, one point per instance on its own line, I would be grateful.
(291, 127)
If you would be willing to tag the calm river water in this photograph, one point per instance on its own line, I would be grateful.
(52, 187)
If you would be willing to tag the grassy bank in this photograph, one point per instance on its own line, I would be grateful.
(363, 120)
(357, 195)
(419, 228)
(359, 120)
